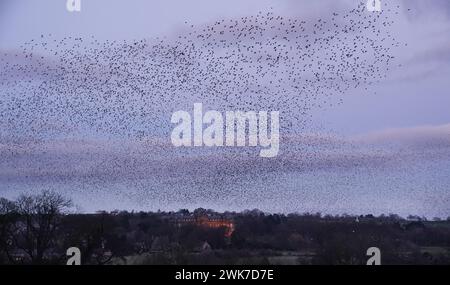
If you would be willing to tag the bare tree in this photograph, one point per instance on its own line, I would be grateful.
(38, 220)
(7, 218)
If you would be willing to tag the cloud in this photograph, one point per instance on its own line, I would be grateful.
(128, 160)
(419, 136)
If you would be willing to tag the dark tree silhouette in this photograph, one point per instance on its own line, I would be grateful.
(7, 217)
(38, 217)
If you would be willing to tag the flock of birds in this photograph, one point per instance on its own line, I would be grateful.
(65, 93)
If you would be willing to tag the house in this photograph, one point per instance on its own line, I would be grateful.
(204, 247)
(207, 221)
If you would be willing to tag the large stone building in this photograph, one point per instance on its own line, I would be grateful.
(207, 221)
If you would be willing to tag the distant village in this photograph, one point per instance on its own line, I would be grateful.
(39, 230)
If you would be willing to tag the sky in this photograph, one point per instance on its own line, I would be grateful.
(383, 150)
(401, 99)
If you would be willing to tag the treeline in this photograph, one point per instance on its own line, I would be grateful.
(38, 229)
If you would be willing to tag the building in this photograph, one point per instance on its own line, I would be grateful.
(209, 222)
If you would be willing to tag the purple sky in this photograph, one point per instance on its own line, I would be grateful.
(413, 95)
(385, 150)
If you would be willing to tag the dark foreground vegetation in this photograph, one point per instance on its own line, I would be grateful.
(39, 229)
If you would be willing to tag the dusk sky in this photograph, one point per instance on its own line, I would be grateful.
(384, 149)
